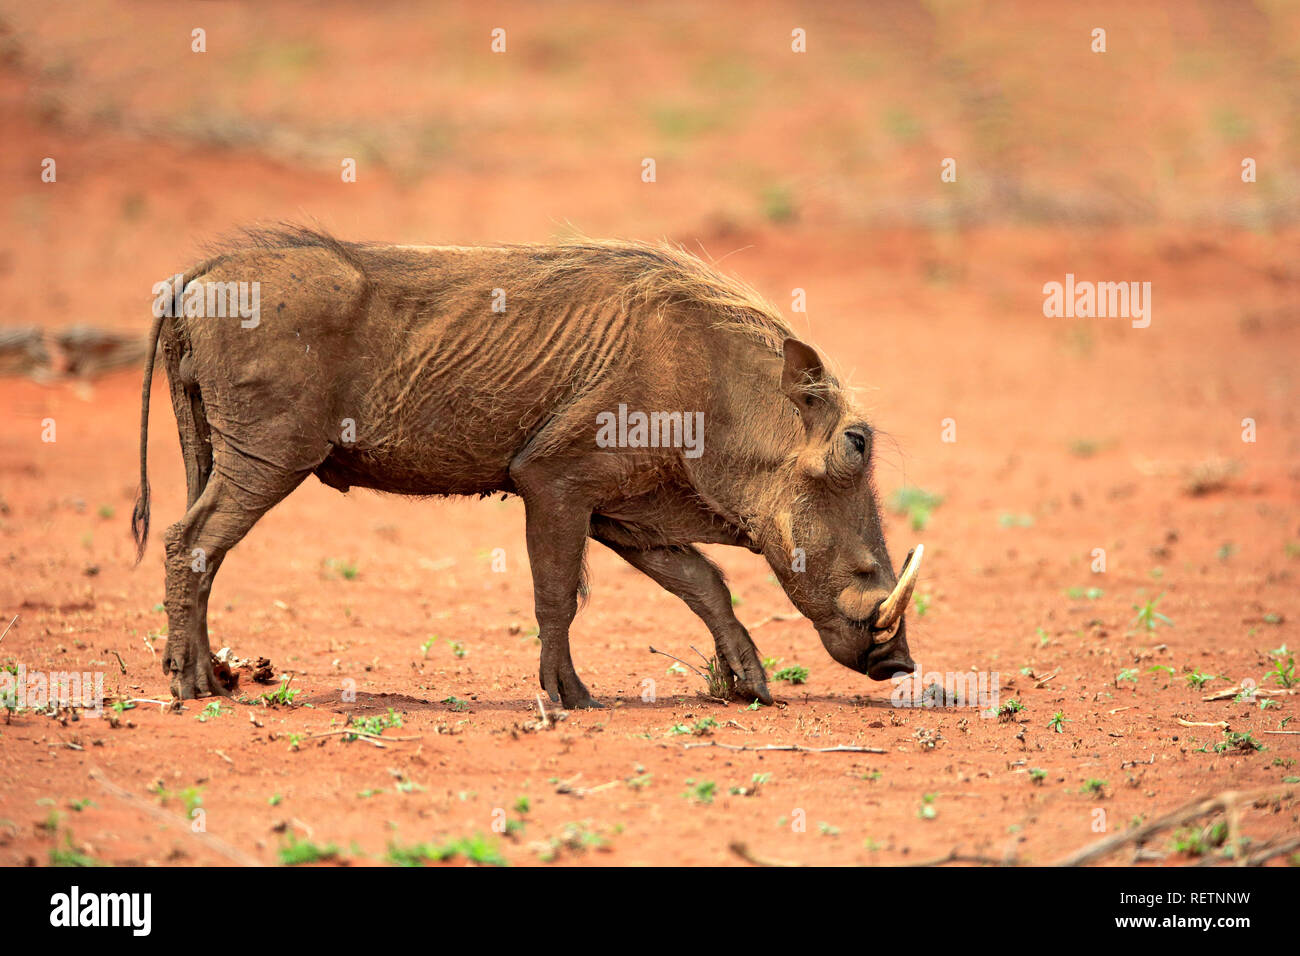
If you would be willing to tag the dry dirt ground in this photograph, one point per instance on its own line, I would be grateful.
(1070, 435)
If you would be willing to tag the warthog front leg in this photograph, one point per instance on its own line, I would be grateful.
(687, 573)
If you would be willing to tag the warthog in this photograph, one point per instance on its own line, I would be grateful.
(441, 370)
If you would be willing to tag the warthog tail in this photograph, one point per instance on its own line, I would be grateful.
(140, 516)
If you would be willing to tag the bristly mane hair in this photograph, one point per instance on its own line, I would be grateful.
(661, 275)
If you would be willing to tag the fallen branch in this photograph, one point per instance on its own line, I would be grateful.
(158, 813)
(353, 731)
(1267, 852)
(952, 856)
(1228, 801)
(794, 747)
(9, 625)
(1200, 723)
(1254, 692)
(742, 851)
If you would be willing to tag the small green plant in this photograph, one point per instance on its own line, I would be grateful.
(1148, 618)
(375, 724)
(703, 727)
(67, 855)
(458, 649)
(347, 570)
(1239, 742)
(1197, 841)
(927, 809)
(922, 602)
(778, 203)
(701, 792)
(575, 838)
(295, 852)
(1090, 594)
(1010, 709)
(1283, 672)
(1094, 786)
(428, 645)
(793, 674)
(1037, 775)
(717, 679)
(755, 784)
(282, 695)
(1058, 722)
(477, 849)
(191, 797)
(916, 503)
(1198, 680)
(209, 712)
(1127, 674)
(456, 704)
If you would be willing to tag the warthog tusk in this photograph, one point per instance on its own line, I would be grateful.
(893, 607)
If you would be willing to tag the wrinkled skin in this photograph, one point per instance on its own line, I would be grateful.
(384, 367)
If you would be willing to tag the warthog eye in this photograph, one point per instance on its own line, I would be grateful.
(857, 443)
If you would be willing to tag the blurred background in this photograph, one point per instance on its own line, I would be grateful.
(816, 171)
(159, 147)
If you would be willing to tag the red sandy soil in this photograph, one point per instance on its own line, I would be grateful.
(1071, 435)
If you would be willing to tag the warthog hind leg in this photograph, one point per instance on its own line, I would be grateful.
(557, 522)
(196, 546)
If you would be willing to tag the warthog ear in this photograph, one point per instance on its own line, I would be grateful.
(803, 380)
(803, 367)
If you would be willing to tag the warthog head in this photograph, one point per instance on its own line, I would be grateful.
(824, 539)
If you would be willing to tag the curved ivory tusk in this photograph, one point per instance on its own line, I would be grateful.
(893, 607)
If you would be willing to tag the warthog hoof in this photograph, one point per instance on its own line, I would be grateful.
(565, 687)
(194, 681)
